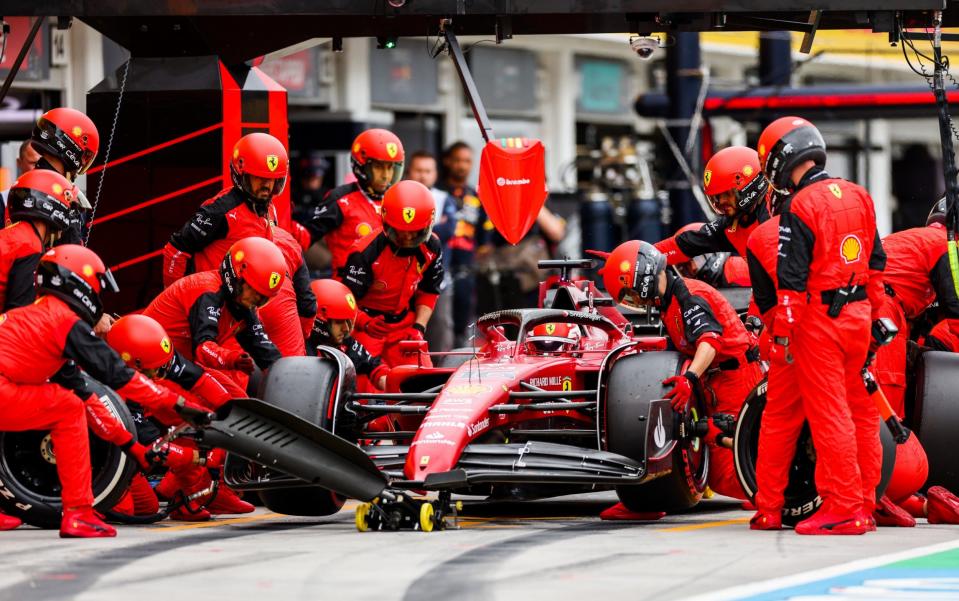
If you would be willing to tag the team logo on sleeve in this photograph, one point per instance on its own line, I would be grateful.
(363, 230)
(836, 190)
(272, 162)
(707, 177)
(409, 213)
(851, 248)
(392, 149)
(165, 345)
(274, 280)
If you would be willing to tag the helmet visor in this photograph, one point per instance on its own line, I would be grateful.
(403, 239)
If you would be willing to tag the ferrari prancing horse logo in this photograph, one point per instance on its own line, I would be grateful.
(550, 328)
(165, 345)
(351, 301)
(409, 213)
(707, 177)
(274, 280)
(272, 162)
(392, 149)
(836, 190)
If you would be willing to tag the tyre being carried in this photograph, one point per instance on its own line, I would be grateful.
(802, 499)
(29, 485)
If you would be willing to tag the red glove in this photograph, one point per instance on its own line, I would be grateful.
(215, 458)
(210, 391)
(790, 310)
(176, 457)
(417, 332)
(213, 355)
(377, 327)
(175, 263)
(143, 455)
(103, 423)
(682, 389)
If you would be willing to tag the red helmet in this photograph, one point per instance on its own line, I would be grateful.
(408, 207)
(77, 276)
(786, 143)
(256, 261)
(141, 342)
(45, 195)
(631, 272)
(260, 155)
(553, 338)
(376, 145)
(735, 170)
(68, 135)
(333, 300)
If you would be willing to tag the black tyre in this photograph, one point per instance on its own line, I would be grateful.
(801, 497)
(29, 485)
(936, 417)
(305, 386)
(448, 361)
(633, 382)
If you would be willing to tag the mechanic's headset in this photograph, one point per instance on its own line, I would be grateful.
(649, 264)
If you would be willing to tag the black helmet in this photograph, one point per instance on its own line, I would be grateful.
(937, 214)
(786, 143)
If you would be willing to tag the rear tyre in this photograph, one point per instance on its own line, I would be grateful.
(305, 386)
(936, 418)
(29, 484)
(633, 382)
(801, 497)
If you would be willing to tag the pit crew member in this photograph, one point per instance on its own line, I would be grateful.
(829, 272)
(396, 274)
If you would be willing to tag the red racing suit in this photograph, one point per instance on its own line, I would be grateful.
(917, 274)
(943, 337)
(693, 313)
(42, 389)
(345, 216)
(201, 320)
(202, 243)
(723, 234)
(829, 246)
(390, 283)
(20, 250)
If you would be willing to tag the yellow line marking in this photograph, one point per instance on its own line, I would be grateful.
(215, 523)
(704, 525)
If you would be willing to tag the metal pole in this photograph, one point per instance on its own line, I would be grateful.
(683, 79)
(469, 86)
(37, 24)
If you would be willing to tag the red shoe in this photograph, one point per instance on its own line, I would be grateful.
(943, 506)
(228, 502)
(8, 522)
(888, 513)
(766, 520)
(621, 512)
(915, 505)
(824, 523)
(84, 523)
(182, 514)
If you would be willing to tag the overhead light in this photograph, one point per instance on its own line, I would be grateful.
(387, 42)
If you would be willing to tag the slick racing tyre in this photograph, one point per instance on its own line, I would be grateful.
(936, 416)
(448, 361)
(801, 497)
(29, 485)
(305, 386)
(634, 381)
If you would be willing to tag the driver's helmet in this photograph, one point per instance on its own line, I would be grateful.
(549, 338)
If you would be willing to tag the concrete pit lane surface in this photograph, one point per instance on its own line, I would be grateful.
(543, 550)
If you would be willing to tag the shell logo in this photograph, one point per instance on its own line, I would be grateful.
(363, 230)
(165, 345)
(392, 150)
(851, 248)
(624, 266)
(87, 270)
(127, 357)
(272, 162)
(747, 170)
(77, 131)
(351, 301)
(236, 153)
(409, 213)
(57, 189)
(762, 150)
(707, 177)
(274, 280)
(836, 190)
(238, 256)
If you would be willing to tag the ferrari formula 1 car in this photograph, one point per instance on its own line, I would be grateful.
(510, 419)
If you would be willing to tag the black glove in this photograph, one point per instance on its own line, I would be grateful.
(194, 415)
(753, 324)
(725, 425)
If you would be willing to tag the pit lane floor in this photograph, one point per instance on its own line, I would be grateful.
(549, 550)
